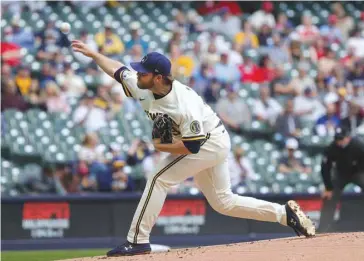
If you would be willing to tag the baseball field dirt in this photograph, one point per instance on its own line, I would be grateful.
(324, 247)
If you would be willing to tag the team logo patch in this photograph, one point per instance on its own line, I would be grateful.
(125, 74)
(145, 58)
(195, 127)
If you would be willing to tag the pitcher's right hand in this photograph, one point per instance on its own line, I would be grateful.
(81, 47)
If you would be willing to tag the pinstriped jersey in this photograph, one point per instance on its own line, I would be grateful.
(192, 117)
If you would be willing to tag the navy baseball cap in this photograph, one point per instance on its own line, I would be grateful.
(341, 133)
(153, 63)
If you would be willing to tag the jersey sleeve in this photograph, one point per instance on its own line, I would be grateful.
(191, 126)
(128, 80)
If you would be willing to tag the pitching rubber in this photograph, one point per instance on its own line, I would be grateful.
(305, 221)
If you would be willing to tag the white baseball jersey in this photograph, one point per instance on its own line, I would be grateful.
(192, 117)
(193, 120)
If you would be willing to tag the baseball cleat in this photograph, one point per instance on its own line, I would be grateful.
(129, 249)
(297, 220)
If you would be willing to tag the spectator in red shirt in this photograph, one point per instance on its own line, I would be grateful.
(210, 7)
(248, 70)
(320, 48)
(265, 71)
(10, 54)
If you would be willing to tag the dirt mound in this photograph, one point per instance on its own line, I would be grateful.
(324, 247)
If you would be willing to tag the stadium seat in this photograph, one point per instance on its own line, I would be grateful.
(22, 151)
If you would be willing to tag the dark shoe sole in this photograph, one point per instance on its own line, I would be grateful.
(141, 253)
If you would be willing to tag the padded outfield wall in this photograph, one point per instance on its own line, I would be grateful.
(103, 220)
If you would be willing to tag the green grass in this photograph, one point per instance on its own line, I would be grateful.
(49, 255)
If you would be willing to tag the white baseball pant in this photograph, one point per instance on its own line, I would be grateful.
(209, 167)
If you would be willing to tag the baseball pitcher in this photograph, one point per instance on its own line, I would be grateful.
(198, 146)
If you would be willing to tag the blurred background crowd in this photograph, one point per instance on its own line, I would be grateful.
(281, 75)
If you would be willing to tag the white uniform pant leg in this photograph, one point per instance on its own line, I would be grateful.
(171, 171)
(215, 185)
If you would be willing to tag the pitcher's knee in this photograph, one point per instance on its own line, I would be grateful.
(223, 202)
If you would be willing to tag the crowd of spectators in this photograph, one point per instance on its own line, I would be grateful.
(306, 73)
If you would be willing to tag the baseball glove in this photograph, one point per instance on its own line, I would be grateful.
(162, 128)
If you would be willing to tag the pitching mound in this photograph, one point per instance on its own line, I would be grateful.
(324, 247)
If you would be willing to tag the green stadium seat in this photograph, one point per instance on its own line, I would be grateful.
(352, 188)
(255, 186)
(306, 188)
(270, 174)
(236, 140)
(32, 170)
(23, 152)
(281, 178)
(12, 115)
(316, 178)
(283, 188)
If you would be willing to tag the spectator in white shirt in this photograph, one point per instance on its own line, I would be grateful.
(308, 106)
(235, 57)
(89, 116)
(90, 150)
(345, 22)
(89, 154)
(266, 108)
(72, 84)
(358, 94)
(307, 32)
(263, 16)
(356, 43)
(303, 80)
(211, 57)
(55, 99)
(211, 37)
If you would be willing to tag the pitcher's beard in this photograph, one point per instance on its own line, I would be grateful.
(144, 86)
